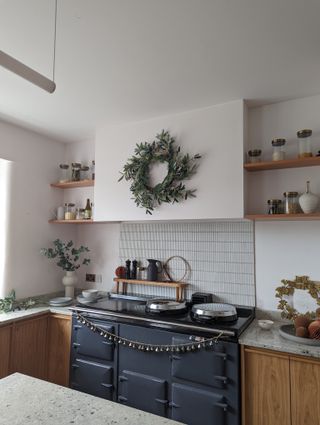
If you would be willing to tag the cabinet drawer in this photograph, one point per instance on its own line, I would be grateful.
(92, 378)
(193, 406)
(143, 392)
(213, 365)
(91, 344)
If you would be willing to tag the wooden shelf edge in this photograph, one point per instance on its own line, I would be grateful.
(280, 165)
(71, 185)
(71, 221)
(282, 217)
(166, 283)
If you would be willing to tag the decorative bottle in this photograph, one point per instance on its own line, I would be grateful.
(308, 201)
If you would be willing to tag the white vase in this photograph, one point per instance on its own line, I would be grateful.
(70, 280)
(308, 201)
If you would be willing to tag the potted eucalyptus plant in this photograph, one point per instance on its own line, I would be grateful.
(69, 259)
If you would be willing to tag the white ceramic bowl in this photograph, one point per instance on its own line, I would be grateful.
(90, 294)
(265, 324)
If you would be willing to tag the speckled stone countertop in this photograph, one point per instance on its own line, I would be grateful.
(254, 336)
(29, 401)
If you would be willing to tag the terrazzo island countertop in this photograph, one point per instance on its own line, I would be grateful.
(29, 401)
(254, 336)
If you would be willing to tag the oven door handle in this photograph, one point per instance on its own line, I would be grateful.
(223, 379)
(223, 406)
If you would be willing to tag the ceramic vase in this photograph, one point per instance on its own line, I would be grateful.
(69, 280)
(308, 201)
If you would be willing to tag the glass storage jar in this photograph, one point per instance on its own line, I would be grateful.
(274, 206)
(278, 153)
(304, 140)
(254, 156)
(69, 211)
(291, 203)
(76, 167)
(64, 173)
(93, 169)
(84, 172)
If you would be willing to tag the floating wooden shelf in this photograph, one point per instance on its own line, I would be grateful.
(179, 286)
(71, 185)
(71, 221)
(283, 217)
(286, 163)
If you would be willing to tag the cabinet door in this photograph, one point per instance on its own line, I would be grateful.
(265, 388)
(195, 406)
(92, 378)
(29, 347)
(5, 342)
(59, 341)
(305, 390)
(143, 392)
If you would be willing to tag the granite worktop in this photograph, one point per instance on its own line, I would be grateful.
(29, 401)
(254, 336)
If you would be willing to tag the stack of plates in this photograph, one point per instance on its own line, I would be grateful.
(61, 302)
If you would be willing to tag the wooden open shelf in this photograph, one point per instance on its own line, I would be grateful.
(71, 185)
(283, 217)
(71, 221)
(286, 163)
(179, 286)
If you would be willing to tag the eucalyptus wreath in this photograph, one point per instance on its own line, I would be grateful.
(287, 289)
(172, 189)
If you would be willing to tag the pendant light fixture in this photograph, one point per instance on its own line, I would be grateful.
(29, 74)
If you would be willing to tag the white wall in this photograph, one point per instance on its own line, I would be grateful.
(283, 249)
(34, 165)
(216, 133)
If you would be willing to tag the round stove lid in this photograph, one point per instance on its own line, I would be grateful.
(165, 305)
(214, 310)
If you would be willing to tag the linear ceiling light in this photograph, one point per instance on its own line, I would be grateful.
(24, 71)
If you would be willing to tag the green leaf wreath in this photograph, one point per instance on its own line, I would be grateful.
(171, 189)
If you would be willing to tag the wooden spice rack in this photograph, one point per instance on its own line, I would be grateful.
(72, 185)
(179, 286)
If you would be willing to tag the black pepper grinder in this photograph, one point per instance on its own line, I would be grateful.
(134, 269)
(128, 274)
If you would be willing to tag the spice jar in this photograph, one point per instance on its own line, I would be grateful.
(80, 214)
(278, 153)
(84, 172)
(69, 211)
(304, 140)
(64, 173)
(291, 203)
(254, 156)
(274, 206)
(76, 168)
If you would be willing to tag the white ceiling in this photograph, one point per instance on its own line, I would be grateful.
(125, 60)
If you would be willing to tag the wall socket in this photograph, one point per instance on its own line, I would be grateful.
(93, 278)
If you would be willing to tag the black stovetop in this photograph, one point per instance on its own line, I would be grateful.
(119, 308)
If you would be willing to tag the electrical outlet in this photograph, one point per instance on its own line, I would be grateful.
(93, 278)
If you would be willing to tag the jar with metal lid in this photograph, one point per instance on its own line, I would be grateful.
(80, 214)
(64, 173)
(254, 156)
(278, 153)
(84, 172)
(69, 211)
(274, 206)
(304, 140)
(291, 203)
(76, 168)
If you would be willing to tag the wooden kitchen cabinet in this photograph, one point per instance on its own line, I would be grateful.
(279, 388)
(59, 340)
(265, 388)
(305, 390)
(29, 348)
(5, 342)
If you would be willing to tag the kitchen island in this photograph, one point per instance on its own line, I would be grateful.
(29, 401)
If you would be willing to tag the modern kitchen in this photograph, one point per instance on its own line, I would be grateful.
(160, 220)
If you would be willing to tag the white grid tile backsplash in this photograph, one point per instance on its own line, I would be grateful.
(220, 254)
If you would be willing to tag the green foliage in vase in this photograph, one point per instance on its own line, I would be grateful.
(171, 189)
(68, 257)
(10, 303)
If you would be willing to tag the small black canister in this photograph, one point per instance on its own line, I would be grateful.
(274, 206)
